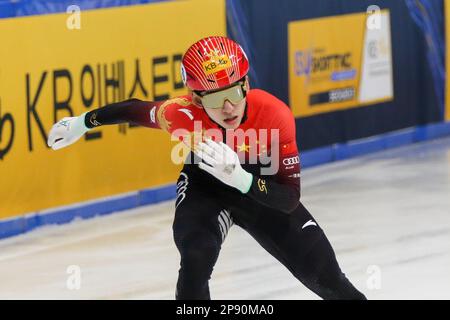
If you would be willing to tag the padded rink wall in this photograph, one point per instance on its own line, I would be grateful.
(301, 37)
(50, 69)
(356, 82)
(359, 75)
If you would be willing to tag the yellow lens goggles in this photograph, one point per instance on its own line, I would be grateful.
(216, 100)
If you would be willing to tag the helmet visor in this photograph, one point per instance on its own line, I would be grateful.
(216, 100)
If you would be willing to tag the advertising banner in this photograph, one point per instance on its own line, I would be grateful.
(339, 62)
(62, 65)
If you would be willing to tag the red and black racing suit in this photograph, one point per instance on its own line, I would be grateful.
(271, 212)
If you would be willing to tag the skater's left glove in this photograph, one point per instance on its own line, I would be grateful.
(67, 131)
(223, 163)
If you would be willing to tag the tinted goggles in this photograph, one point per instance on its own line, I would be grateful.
(216, 100)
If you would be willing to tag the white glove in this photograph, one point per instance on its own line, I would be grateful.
(223, 163)
(67, 131)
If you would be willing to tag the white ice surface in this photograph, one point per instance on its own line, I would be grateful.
(390, 209)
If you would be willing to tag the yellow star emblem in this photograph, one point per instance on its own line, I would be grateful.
(243, 148)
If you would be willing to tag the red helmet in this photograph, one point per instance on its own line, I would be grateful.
(213, 63)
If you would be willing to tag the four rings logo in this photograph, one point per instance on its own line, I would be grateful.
(291, 161)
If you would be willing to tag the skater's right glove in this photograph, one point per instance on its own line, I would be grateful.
(66, 131)
(223, 163)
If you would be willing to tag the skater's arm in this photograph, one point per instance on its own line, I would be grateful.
(161, 115)
(278, 189)
(132, 111)
(281, 192)
(281, 189)
(69, 129)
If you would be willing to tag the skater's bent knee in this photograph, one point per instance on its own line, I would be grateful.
(200, 249)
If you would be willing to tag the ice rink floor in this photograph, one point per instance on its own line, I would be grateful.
(387, 216)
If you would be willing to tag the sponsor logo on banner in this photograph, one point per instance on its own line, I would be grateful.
(376, 70)
(314, 62)
(330, 70)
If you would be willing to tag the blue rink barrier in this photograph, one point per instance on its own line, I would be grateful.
(98, 207)
(355, 148)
